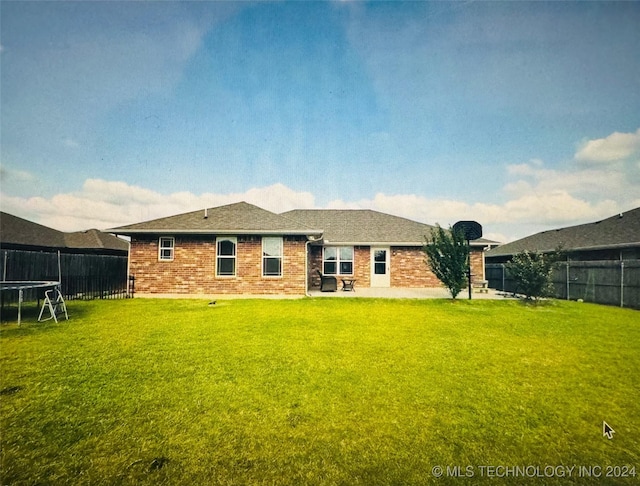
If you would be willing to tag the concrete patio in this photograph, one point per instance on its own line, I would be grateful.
(379, 293)
(410, 293)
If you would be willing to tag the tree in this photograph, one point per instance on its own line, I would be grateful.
(448, 257)
(532, 272)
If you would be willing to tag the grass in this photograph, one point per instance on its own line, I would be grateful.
(318, 391)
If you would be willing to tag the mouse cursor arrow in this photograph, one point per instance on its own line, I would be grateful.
(607, 430)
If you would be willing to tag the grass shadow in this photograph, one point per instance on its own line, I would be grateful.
(29, 318)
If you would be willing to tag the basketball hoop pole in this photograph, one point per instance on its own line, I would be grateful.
(472, 230)
(469, 266)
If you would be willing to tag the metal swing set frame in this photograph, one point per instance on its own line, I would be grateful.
(53, 303)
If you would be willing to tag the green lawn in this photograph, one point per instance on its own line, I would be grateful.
(320, 391)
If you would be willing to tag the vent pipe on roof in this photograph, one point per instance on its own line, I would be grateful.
(206, 213)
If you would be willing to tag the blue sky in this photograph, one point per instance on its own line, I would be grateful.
(522, 116)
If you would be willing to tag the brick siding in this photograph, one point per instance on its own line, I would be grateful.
(409, 268)
(477, 265)
(192, 271)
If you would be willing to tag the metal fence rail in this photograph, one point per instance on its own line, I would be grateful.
(83, 276)
(611, 282)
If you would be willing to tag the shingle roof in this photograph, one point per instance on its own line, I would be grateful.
(619, 231)
(95, 239)
(239, 218)
(15, 231)
(349, 226)
(18, 231)
(364, 226)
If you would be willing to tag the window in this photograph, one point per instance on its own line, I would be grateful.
(166, 249)
(272, 256)
(337, 260)
(226, 257)
(380, 262)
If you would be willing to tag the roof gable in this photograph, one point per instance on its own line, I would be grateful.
(619, 231)
(234, 218)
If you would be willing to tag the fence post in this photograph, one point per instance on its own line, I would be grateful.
(621, 283)
(502, 266)
(567, 267)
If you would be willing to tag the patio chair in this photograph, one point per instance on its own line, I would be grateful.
(327, 283)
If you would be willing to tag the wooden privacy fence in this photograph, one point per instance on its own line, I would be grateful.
(611, 282)
(83, 276)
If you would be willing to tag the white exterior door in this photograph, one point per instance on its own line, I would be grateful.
(380, 276)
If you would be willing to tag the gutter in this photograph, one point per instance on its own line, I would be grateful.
(121, 231)
(386, 243)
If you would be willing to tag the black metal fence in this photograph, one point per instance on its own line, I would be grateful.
(611, 282)
(83, 276)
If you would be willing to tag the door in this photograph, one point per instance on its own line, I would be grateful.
(380, 276)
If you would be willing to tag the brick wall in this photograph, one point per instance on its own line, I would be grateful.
(192, 270)
(409, 268)
(477, 264)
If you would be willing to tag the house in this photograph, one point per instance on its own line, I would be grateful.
(90, 263)
(243, 249)
(614, 238)
(377, 249)
(21, 234)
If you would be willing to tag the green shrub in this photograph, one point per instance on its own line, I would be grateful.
(448, 257)
(532, 272)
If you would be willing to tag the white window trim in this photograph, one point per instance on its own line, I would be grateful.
(234, 240)
(338, 260)
(281, 256)
(172, 248)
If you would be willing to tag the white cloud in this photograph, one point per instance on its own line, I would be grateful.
(534, 198)
(10, 176)
(551, 208)
(103, 204)
(70, 143)
(615, 147)
(538, 179)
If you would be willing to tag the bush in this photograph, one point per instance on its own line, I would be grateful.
(448, 258)
(532, 273)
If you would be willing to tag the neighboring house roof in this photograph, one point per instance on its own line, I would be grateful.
(238, 218)
(95, 239)
(362, 226)
(19, 232)
(619, 231)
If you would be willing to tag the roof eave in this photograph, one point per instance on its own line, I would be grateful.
(370, 243)
(615, 246)
(384, 243)
(128, 232)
